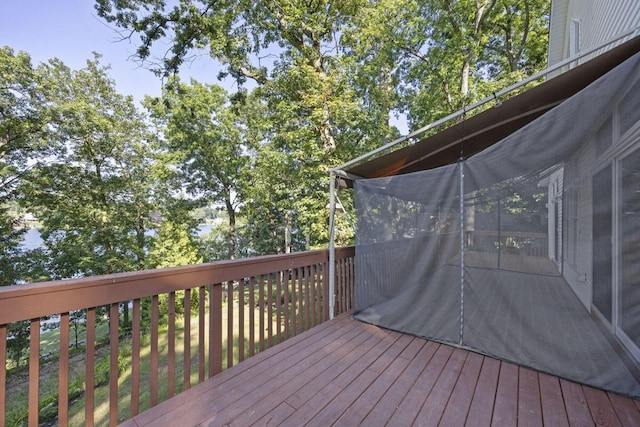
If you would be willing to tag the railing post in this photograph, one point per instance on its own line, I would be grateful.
(63, 371)
(90, 358)
(34, 371)
(114, 324)
(332, 249)
(3, 371)
(215, 329)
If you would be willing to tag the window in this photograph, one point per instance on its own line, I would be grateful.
(574, 37)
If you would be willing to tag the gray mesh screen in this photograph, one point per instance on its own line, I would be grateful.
(528, 251)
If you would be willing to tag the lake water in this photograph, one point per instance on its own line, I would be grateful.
(32, 240)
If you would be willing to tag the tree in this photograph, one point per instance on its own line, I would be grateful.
(443, 55)
(291, 50)
(204, 139)
(174, 246)
(93, 196)
(471, 50)
(24, 110)
(23, 113)
(330, 74)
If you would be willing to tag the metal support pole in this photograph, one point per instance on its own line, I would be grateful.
(332, 248)
(462, 226)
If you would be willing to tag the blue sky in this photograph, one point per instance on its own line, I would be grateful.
(71, 30)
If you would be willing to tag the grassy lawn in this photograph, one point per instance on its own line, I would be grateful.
(17, 380)
(101, 414)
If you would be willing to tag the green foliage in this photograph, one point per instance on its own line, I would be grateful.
(48, 403)
(174, 246)
(24, 110)
(329, 76)
(93, 194)
(11, 261)
(307, 114)
(204, 143)
(18, 341)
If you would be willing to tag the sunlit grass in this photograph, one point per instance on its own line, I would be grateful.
(17, 388)
(101, 412)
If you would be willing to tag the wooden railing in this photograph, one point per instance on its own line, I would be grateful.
(175, 327)
(524, 243)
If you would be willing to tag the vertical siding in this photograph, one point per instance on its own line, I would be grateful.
(610, 18)
(557, 31)
(600, 21)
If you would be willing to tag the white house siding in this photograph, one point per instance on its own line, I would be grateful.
(599, 22)
(602, 149)
(578, 26)
(558, 26)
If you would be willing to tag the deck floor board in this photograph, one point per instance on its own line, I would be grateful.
(346, 372)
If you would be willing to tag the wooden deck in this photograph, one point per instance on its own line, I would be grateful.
(347, 373)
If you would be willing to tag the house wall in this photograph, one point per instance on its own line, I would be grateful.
(596, 22)
(609, 142)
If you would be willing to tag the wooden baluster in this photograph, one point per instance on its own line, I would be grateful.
(300, 299)
(307, 298)
(269, 310)
(353, 282)
(114, 323)
(347, 284)
(90, 366)
(135, 359)
(63, 372)
(252, 316)
(287, 305)
(342, 286)
(171, 346)
(346, 262)
(34, 371)
(154, 349)
(215, 330)
(201, 344)
(318, 293)
(261, 299)
(241, 319)
(186, 350)
(326, 300)
(229, 323)
(294, 302)
(3, 372)
(279, 306)
(314, 283)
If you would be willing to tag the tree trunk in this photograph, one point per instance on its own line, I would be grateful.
(231, 234)
(464, 77)
(287, 233)
(140, 238)
(125, 316)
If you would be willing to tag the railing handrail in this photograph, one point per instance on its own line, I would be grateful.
(35, 300)
(506, 233)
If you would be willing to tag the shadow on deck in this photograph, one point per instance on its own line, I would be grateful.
(345, 372)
